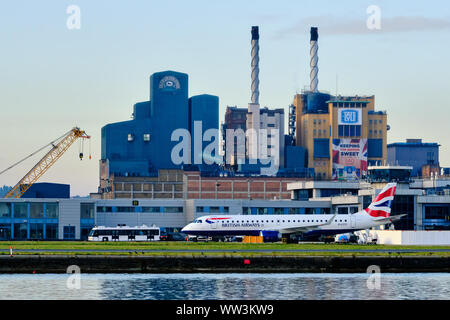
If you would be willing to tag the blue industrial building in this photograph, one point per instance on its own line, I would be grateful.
(48, 190)
(414, 153)
(143, 145)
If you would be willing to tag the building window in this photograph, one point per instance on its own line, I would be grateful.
(430, 157)
(173, 209)
(346, 131)
(352, 131)
(20, 210)
(125, 209)
(36, 231)
(341, 130)
(151, 209)
(278, 210)
(200, 209)
(5, 231)
(51, 210)
(146, 137)
(36, 210)
(214, 210)
(226, 209)
(20, 231)
(104, 209)
(5, 210)
(51, 231)
(435, 212)
(358, 131)
(87, 211)
(353, 210)
(69, 232)
(263, 211)
(245, 210)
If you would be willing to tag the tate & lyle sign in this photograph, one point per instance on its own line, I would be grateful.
(350, 116)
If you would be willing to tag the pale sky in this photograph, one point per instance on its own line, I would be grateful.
(53, 78)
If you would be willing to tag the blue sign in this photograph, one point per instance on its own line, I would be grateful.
(349, 116)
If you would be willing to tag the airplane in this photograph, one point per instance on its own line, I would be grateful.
(376, 214)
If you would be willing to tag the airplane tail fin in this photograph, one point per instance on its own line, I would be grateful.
(381, 205)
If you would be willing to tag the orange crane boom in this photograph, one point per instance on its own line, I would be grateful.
(46, 162)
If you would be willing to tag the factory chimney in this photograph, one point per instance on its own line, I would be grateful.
(314, 59)
(255, 65)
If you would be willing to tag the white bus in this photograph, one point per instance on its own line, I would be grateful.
(124, 233)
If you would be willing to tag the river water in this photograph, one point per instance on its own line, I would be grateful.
(226, 286)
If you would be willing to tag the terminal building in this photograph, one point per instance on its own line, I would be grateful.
(426, 203)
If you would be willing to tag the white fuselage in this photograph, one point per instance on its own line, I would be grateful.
(227, 225)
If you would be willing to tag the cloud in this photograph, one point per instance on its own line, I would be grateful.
(331, 25)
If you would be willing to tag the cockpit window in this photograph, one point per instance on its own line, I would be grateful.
(199, 221)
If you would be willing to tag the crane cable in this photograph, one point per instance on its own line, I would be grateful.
(51, 143)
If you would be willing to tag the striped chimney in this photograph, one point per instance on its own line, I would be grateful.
(314, 60)
(255, 65)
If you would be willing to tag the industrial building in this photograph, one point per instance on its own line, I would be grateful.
(143, 146)
(422, 156)
(194, 184)
(48, 190)
(342, 134)
(264, 127)
(235, 120)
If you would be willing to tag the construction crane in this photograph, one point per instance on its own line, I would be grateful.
(59, 146)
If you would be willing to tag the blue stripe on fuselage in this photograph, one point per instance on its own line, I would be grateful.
(257, 232)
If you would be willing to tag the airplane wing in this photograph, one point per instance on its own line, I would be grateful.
(304, 228)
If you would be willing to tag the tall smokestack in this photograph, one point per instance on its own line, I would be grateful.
(314, 60)
(255, 65)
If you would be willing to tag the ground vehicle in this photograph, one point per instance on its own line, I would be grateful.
(234, 239)
(124, 233)
(176, 236)
(327, 239)
(199, 238)
(346, 238)
(163, 236)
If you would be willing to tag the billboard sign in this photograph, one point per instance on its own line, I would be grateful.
(349, 159)
(349, 116)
